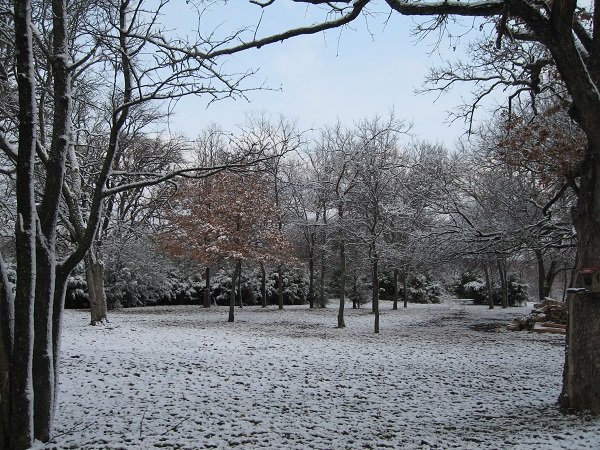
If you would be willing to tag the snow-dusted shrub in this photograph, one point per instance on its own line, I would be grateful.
(295, 287)
(422, 289)
(469, 285)
(128, 289)
(359, 292)
(220, 286)
(517, 291)
(473, 286)
(76, 296)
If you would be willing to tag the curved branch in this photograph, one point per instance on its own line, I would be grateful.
(472, 9)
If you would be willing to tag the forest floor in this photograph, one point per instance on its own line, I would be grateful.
(436, 377)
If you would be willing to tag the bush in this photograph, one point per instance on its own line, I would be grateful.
(470, 285)
(295, 287)
(421, 288)
(76, 296)
(359, 293)
(126, 288)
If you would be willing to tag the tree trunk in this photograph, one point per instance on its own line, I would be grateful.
(565, 284)
(236, 272)
(322, 298)
(545, 277)
(503, 281)
(549, 278)
(60, 291)
(375, 271)
(21, 429)
(311, 279)
(405, 289)
(94, 275)
(581, 390)
(322, 301)
(395, 289)
(355, 302)
(488, 284)
(6, 348)
(240, 286)
(207, 287)
(341, 323)
(263, 284)
(539, 258)
(280, 287)
(43, 360)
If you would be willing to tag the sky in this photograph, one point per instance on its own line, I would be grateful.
(371, 68)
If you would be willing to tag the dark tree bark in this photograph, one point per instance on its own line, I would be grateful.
(6, 349)
(375, 280)
(355, 302)
(503, 281)
(405, 288)
(311, 277)
(263, 284)
(21, 379)
(207, 287)
(545, 277)
(280, 286)
(240, 286)
(322, 300)
(43, 361)
(58, 305)
(488, 284)
(583, 354)
(539, 258)
(340, 317)
(94, 275)
(581, 390)
(236, 273)
(396, 294)
(549, 278)
(43, 351)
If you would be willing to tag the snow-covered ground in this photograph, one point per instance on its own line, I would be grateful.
(438, 376)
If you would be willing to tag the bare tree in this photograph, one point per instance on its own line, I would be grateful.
(373, 199)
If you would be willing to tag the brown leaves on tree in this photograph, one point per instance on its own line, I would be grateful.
(550, 144)
(228, 216)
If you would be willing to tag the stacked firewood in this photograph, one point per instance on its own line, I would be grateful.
(549, 316)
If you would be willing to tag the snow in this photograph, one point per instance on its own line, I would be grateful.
(437, 377)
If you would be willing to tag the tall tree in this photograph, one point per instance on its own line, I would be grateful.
(373, 199)
(339, 143)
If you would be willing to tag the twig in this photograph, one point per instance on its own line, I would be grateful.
(141, 422)
(174, 427)
(69, 431)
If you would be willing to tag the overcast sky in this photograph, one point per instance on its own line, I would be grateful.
(371, 68)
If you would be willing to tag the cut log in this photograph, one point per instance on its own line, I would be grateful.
(539, 328)
(554, 325)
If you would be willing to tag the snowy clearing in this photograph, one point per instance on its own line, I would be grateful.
(438, 376)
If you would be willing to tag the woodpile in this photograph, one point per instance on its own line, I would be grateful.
(549, 316)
